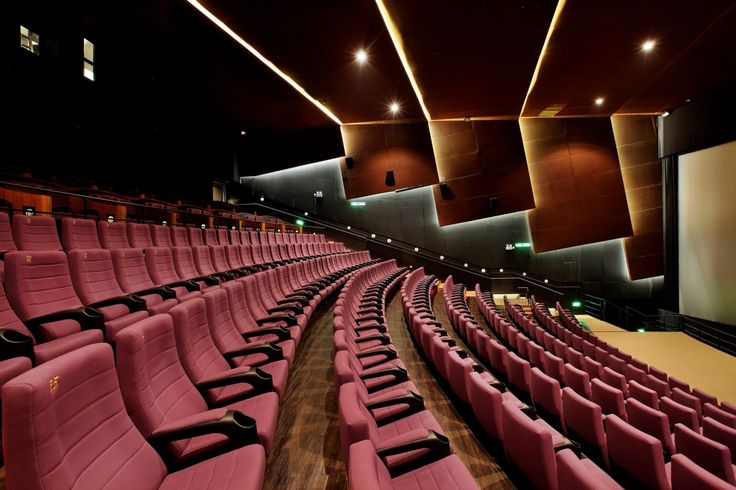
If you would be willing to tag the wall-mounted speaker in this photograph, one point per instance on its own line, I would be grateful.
(390, 179)
(349, 163)
(493, 203)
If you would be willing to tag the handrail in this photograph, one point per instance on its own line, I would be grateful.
(559, 289)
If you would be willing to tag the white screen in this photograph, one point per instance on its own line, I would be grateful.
(707, 233)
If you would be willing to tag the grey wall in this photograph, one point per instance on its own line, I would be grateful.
(410, 216)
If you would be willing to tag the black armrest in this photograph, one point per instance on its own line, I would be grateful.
(208, 280)
(133, 302)
(377, 318)
(261, 381)
(163, 291)
(386, 354)
(462, 354)
(281, 333)
(288, 319)
(189, 285)
(370, 310)
(236, 426)
(398, 375)
(414, 404)
(383, 339)
(88, 318)
(438, 447)
(293, 308)
(373, 326)
(15, 344)
(449, 341)
(273, 353)
(302, 302)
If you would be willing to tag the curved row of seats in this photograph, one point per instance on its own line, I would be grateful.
(190, 398)
(630, 438)
(389, 438)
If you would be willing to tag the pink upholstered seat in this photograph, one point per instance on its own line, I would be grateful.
(686, 475)
(67, 427)
(581, 474)
(651, 421)
(112, 235)
(139, 235)
(635, 456)
(584, 423)
(610, 399)
(79, 233)
(35, 233)
(706, 453)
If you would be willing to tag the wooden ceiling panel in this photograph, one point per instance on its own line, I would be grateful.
(595, 51)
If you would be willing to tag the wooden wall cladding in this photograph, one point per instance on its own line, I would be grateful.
(636, 141)
(405, 149)
(577, 183)
(477, 161)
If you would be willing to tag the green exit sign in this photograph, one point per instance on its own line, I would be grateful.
(357, 204)
(523, 245)
(577, 303)
(300, 222)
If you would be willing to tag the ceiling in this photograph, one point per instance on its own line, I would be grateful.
(470, 58)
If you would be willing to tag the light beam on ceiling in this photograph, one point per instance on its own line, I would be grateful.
(399, 45)
(263, 60)
(552, 25)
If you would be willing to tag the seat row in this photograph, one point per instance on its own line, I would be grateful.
(589, 410)
(191, 398)
(389, 438)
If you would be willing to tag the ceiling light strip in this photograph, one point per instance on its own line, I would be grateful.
(552, 25)
(263, 59)
(396, 39)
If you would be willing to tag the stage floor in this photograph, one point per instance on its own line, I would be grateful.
(677, 354)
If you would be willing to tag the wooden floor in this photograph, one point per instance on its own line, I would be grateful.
(306, 450)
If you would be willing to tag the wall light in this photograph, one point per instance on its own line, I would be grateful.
(373, 235)
(500, 270)
(483, 270)
(523, 273)
(349, 227)
(465, 264)
(388, 240)
(442, 257)
(164, 223)
(546, 281)
(416, 249)
(263, 198)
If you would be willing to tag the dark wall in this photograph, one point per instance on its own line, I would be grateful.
(410, 216)
(133, 127)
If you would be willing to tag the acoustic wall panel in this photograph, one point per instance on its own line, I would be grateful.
(636, 141)
(576, 180)
(479, 161)
(375, 149)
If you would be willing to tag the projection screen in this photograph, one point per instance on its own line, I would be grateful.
(707, 233)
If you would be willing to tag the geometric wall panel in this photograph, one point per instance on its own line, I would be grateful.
(478, 161)
(577, 182)
(377, 149)
(636, 141)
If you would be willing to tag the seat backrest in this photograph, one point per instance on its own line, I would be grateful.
(112, 235)
(219, 260)
(581, 474)
(8, 319)
(219, 319)
(518, 372)
(546, 392)
(678, 413)
(130, 270)
(210, 237)
(222, 236)
(93, 275)
(6, 234)
(234, 237)
(79, 233)
(184, 262)
(39, 283)
(356, 422)
(716, 431)
(35, 233)
(584, 419)
(139, 235)
(610, 399)
(706, 453)
(530, 448)
(366, 471)
(161, 236)
(179, 236)
(160, 265)
(195, 236)
(635, 455)
(65, 426)
(687, 399)
(697, 392)
(197, 351)
(651, 421)
(576, 379)
(154, 385)
(203, 260)
(710, 410)
(686, 475)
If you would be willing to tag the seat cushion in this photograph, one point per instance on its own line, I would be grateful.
(449, 472)
(54, 348)
(242, 469)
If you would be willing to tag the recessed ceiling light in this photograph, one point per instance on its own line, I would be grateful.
(361, 56)
(465, 264)
(388, 240)
(442, 257)
(483, 271)
(349, 227)
(373, 235)
(647, 46)
(546, 281)
(416, 249)
(263, 198)
(523, 273)
(599, 101)
(500, 270)
(243, 133)
(394, 107)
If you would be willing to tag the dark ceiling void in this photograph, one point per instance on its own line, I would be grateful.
(471, 57)
(596, 52)
(316, 42)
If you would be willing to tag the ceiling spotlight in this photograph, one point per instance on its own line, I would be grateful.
(263, 198)
(465, 264)
(394, 108)
(388, 240)
(306, 213)
(243, 133)
(349, 227)
(546, 281)
(361, 56)
(442, 257)
(647, 46)
(483, 271)
(416, 249)
(523, 273)
(500, 270)
(599, 101)
(373, 235)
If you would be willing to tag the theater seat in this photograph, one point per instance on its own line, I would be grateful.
(112, 235)
(35, 233)
(581, 474)
(79, 233)
(368, 471)
(99, 446)
(686, 475)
